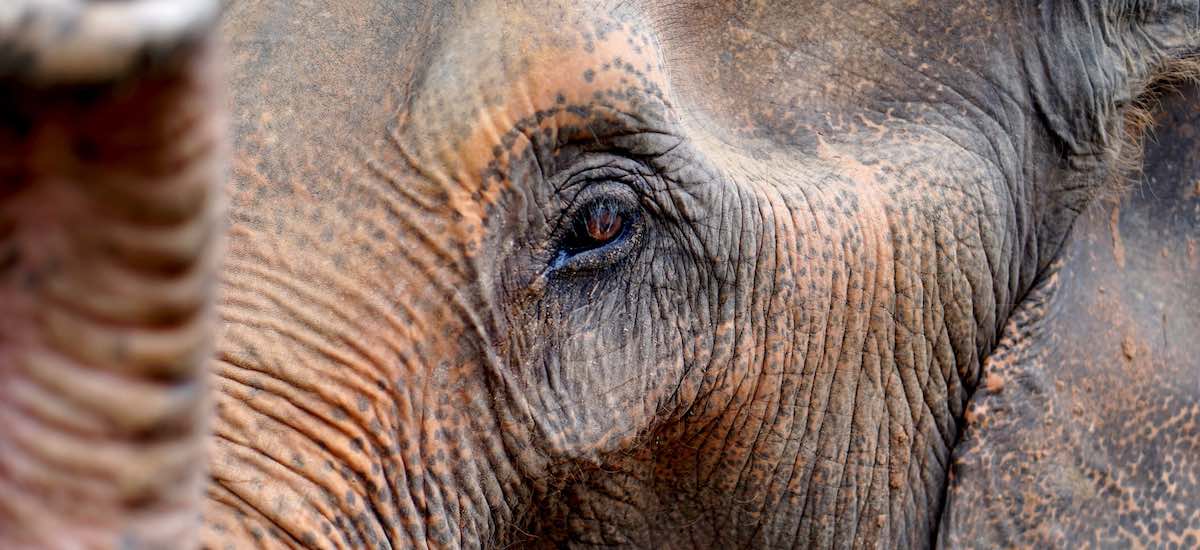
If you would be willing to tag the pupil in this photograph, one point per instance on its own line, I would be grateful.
(603, 223)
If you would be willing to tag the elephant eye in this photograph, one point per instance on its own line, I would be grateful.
(601, 223)
(598, 233)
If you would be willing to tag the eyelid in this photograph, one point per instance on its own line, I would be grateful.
(604, 167)
(616, 178)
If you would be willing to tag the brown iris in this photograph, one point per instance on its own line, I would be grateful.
(603, 223)
(604, 226)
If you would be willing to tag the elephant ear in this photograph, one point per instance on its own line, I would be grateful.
(1085, 430)
(109, 233)
(1093, 69)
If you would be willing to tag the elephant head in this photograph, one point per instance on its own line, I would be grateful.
(579, 273)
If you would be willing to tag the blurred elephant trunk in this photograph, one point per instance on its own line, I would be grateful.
(110, 209)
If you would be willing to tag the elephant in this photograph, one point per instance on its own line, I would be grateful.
(490, 273)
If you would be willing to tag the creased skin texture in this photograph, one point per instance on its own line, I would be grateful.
(110, 218)
(1087, 428)
(833, 210)
(837, 218)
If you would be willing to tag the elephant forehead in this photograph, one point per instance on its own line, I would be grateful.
(516, 79)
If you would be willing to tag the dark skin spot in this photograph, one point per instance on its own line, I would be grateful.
(700, 306)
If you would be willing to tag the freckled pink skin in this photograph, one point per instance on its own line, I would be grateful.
(854, 303)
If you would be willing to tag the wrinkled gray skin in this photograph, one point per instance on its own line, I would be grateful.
(837, 221)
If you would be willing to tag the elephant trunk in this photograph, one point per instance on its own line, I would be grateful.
(110, 149)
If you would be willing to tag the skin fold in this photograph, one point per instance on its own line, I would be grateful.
(1109, 343)
(852, 300)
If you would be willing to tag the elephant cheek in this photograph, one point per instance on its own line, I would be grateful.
(109, 218)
